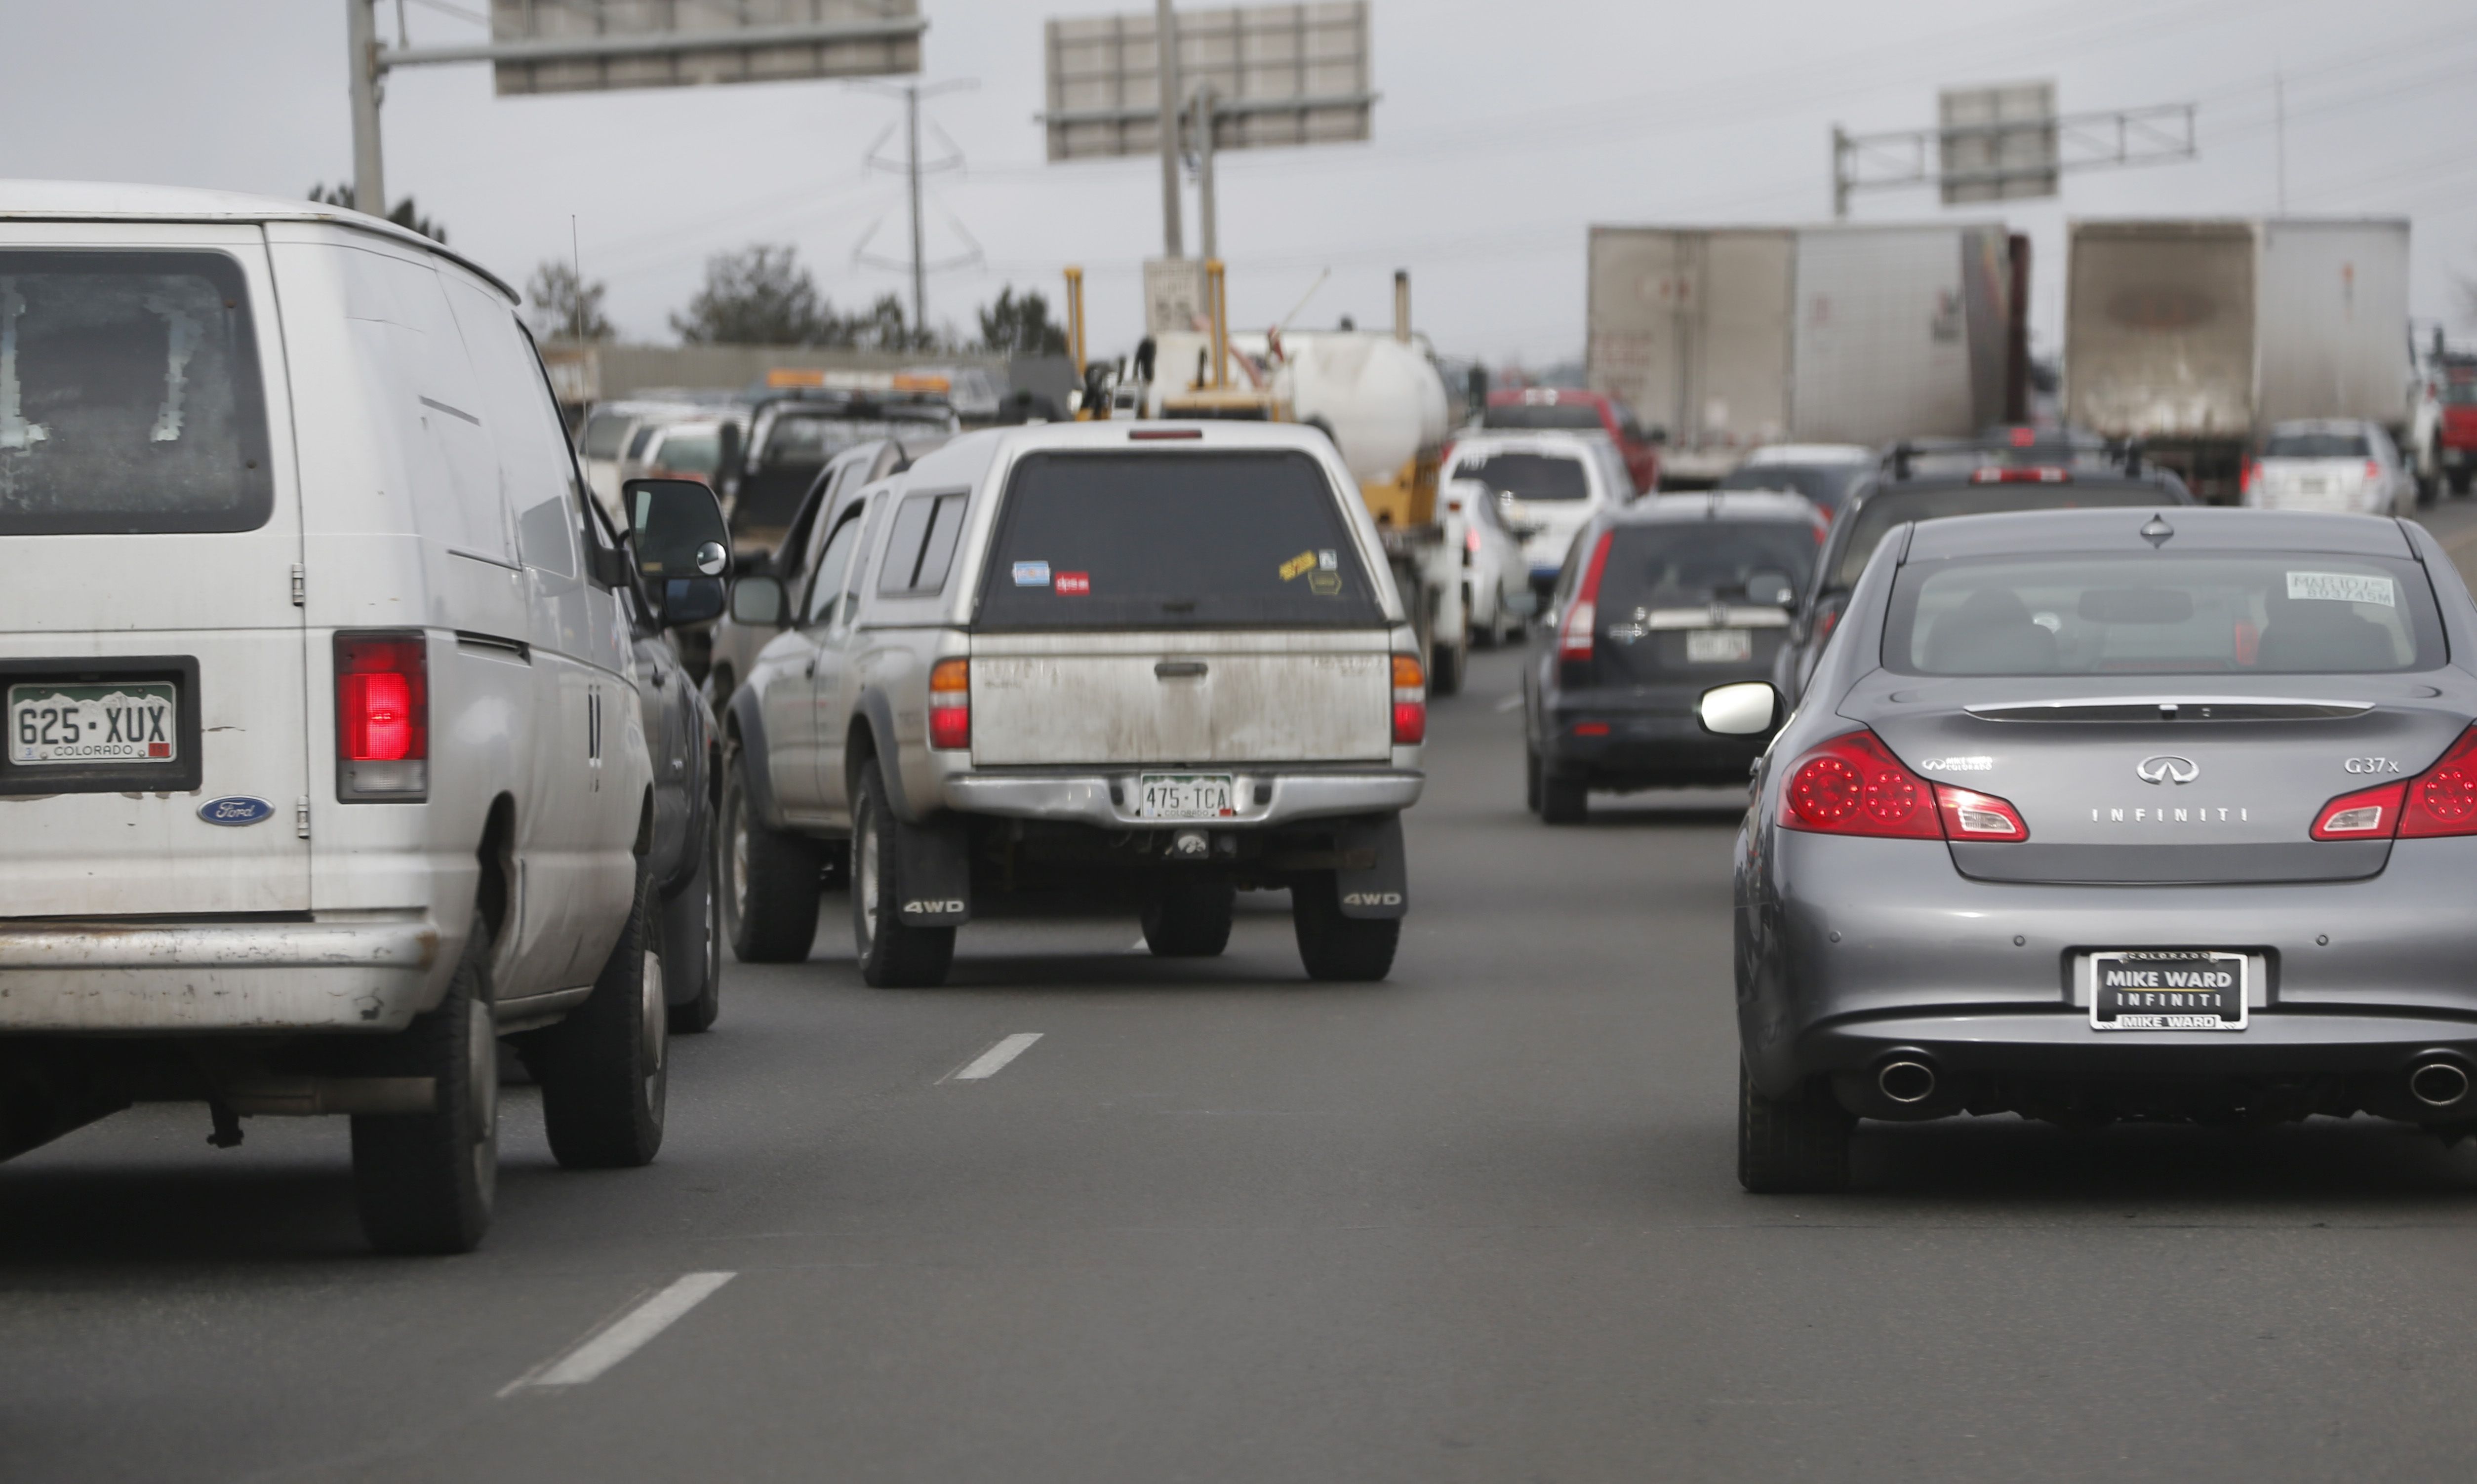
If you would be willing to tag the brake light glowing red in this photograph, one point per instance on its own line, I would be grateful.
(950, 704)
(381, 698)
(1854, 786)
(1574, 634)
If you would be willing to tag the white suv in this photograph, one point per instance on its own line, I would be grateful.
(1548, 485)
(324, 768)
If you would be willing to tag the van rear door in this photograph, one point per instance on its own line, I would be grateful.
(1200, 605)
(152, 664)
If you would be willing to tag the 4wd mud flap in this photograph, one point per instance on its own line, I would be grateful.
(1379, 890)
(934, 869)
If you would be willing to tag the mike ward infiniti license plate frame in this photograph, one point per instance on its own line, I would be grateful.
(2170, 989)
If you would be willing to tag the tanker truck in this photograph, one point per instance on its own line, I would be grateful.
(1378, 395)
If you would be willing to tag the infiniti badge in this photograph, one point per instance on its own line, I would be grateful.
(2166, 768)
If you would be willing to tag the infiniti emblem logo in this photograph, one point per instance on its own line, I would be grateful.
(2166, 768)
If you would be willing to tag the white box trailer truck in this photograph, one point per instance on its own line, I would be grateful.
(1731, 337)
(2194, 336)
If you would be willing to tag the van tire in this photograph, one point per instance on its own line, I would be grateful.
(693, 934)
(1445, 675)
(426, 1182)
(1190, 919)
(771, 880)
(605, 1070)
(1338, 948)
(892, 953)
(1797, 1146)
(1564, 798)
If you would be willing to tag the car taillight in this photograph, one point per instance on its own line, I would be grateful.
(2440, 801)
(2250, 479)
(1471, 545)
(950, 704)
(2045, 474)
(2373, 468)
(1574, 635)
(1854, 786)
(381, 716)
(1410, 702)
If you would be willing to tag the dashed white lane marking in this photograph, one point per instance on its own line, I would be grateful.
(624, 1336)
(991, 1061)
(1510, 702)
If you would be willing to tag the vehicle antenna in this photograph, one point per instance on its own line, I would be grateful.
(576, 289)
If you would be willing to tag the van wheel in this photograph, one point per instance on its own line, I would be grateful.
(1564, 798)
(770, 882)
(1349, 949)
(1190, 919)
(425, 1183)
(605, 1070)
(1797, 1146)
(893, 954)
(693, 940)
(1446, 673)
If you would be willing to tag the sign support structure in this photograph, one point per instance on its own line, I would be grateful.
(2006, 143)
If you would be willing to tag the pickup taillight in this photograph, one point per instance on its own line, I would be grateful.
(950, 704)
(1410, 702)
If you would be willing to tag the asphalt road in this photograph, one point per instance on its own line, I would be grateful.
(1219, 1223)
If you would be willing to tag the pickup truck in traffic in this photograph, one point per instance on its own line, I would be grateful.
(1083, 669)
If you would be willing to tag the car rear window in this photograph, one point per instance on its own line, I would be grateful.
(2460, 388)
(1866, 531)
(2316, 445)
(1826, 484)
(604, 434)
(690, 452)
(1529, 476)
(1566, 415)
(1692, 564)
(130, 398)
(2209, 613)
(1159, 541)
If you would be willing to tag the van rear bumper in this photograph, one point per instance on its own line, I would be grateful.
(368, 971)
(1264, 796)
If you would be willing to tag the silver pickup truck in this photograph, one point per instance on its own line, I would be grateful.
(1080, 669)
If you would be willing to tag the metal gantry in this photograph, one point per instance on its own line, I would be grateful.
(2160, 135)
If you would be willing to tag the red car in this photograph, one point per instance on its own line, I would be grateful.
(1538, 408)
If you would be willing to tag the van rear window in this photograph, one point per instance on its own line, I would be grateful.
(130, 398)
(1159, 541)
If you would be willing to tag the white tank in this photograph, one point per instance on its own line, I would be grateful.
(1380, 398)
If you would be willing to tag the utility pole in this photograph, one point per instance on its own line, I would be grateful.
(912, 168)
(361, 41)
(1839, 173)
(1165, 33)
(2279, 118)
(1207, 207)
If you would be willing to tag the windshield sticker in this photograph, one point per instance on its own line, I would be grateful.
(2342, 587)
(1297, 564)
(1075, 584)
(1330, 561)
(1325, 584)
(1031, 574)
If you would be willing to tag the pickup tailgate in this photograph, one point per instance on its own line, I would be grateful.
(1136, 698)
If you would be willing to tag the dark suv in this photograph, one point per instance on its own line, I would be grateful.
(1659, 601)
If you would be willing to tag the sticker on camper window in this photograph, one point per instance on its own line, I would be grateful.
(1297, 564)
(1075, 584)
(2342, 587)
(1330, 561)
(1325, 584)
(1031, 574)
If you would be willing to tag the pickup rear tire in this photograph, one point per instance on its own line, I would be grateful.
(605, 1070)
(892, 953)
(1445, 670)
(693, 940)
(1190, 919)
(426, 1182)
(1338, 948)
(1794, 1146)
(1564, 798)
(771, 880)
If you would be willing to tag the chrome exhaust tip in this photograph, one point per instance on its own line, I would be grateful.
(2437, 1083)
(1908, 1083)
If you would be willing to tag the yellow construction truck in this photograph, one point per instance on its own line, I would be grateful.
(1377, 395)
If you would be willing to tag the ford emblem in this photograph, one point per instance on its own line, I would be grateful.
(238, 809)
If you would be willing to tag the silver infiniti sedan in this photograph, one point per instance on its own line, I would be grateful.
(2115, 814)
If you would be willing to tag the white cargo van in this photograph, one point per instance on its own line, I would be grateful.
(323, 766)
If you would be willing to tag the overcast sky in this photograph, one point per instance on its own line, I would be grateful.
(1505, 130)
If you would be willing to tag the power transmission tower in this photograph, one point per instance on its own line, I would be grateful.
(912, 168)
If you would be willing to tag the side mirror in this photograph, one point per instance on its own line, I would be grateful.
(757, 601)
(1747, 709)
(682, 546)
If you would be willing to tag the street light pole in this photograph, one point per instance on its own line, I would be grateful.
(1165, 35)
(912, 164)
(361, 41)
(1207, 207)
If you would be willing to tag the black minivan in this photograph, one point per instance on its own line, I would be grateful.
(1659, 601)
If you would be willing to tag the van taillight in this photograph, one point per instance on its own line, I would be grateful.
(1410, 702)
(1574, 634)
(381, 716)
(1854, 786)
(950, 704)
(2441, 800)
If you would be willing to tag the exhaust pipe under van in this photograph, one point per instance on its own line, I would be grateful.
(2439, 1083)
(1909, 1083)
